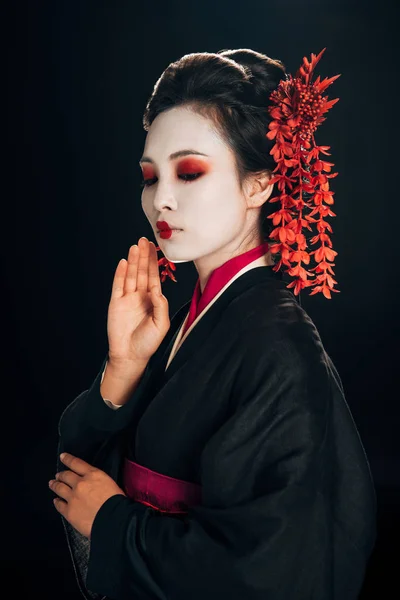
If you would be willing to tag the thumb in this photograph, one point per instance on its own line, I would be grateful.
(160, 306)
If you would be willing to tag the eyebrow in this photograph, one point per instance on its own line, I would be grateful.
(174, 155)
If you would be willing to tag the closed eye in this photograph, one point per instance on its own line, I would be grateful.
(190, 176)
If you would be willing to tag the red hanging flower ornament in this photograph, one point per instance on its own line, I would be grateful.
(169, 267)
(297, 106)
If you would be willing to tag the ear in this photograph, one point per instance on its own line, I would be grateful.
(259, 189)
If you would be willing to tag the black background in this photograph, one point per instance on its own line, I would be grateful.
(76, 79)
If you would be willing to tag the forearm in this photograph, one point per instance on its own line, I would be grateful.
(119, 382)
(88, 420)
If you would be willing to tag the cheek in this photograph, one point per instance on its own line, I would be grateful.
(214, 210)
(146, 205)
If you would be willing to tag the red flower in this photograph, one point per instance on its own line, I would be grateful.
(297, 106)
(169, 267)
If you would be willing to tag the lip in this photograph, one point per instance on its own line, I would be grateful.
(165, 234)
(168, 229)
(163, 225)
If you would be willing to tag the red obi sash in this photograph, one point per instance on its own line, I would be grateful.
(163, 493)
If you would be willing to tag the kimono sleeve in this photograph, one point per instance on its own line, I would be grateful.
(87, 422)
(91, 430)
(263, 530)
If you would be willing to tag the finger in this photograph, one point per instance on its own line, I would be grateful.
(143, 265)
(68, 477)
(131, 272)
(61, 506)
(75, 464)
(61, 489)
(154, 276)
(117, 289)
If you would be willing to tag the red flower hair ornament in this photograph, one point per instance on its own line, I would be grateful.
(296, 107)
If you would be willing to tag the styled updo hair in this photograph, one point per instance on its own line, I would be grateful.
(231, 88)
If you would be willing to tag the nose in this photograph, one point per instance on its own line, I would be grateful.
(163, 198)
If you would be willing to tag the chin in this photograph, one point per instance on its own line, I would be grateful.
(176, 261)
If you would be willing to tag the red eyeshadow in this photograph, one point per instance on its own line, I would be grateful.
(147, 172)
(192, 165)
(186, 166)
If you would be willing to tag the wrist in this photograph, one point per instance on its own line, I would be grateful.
(121, 380)
(125, 369)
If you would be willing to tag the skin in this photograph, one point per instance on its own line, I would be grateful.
(219, 219)
(82, 490)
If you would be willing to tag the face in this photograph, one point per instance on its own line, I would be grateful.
(197, 193)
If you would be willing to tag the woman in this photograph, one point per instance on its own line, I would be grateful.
(215, 453)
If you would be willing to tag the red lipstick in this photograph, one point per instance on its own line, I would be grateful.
(166, 230)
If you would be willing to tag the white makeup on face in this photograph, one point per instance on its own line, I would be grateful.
(209, 207)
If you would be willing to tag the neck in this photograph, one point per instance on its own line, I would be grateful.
(205, 269)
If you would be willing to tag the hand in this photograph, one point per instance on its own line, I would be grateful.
(138, 318)
(83, 490)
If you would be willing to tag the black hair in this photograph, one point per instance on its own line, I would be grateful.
(231, 88)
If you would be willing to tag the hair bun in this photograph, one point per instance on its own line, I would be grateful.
(264, 72)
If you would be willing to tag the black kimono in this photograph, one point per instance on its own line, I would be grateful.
(252, 409)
